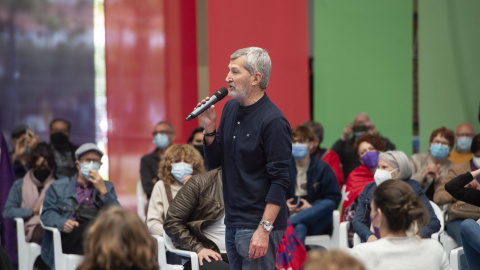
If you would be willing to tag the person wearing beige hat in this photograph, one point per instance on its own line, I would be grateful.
(70, 204)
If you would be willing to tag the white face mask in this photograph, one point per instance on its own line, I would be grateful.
(476, 161)
(382, 176)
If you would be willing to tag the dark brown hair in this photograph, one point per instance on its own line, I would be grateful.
(399, 204)
(42, 150)
(444, 132)
(374, 139)
(475, 144)
(118, 239)
(303, 132)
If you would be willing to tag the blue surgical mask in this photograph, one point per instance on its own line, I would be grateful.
(464, 143)
(180, 170)
(299, 150)
(439, 151)
(85, 168)
(161, 141)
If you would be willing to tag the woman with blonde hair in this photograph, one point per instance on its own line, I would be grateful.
(118, 240)
(395, 208)
(178, 164)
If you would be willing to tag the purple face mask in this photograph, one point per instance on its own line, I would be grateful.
(370, 159)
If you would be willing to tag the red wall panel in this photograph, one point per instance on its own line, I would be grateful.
(151, 72)
(280, 27)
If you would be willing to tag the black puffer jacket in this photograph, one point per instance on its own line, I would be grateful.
(199, 203)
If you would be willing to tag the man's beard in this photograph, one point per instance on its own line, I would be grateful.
(238, 94)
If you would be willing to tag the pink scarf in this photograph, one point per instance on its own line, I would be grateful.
(31, 198)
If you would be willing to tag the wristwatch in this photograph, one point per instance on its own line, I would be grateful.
(267, 226)
(210, 134)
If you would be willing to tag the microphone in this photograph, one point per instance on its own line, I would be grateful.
(219, 95)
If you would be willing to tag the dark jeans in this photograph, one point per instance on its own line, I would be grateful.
(470, 235)
(213, 265)
(315, 220)
(72, 243)
(237, 241)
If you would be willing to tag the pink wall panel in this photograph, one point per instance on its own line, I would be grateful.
(151, 76)
(280, 27)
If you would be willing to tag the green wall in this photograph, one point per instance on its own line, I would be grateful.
(363, 63)
(449, 65)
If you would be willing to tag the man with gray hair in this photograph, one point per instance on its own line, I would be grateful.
(253, 146)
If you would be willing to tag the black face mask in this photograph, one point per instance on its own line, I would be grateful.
(199, 148)
(59, 138)
(41, 174)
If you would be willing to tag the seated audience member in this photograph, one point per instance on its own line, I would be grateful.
(395, 208)
(22, 145)
(119, 240)
(429, 168)
(327, 155)
(366, 148)
(392, 165)
(313, 192)
(27, 193)
(460, 189)
(178, 164)
(196, 139)
(459, 210)
(63, 149)
(463, 140)
(195, 219)
(344, 146)
(163, 136)
(71, 204)
(331, 260)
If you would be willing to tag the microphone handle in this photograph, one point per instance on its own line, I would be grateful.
(202, 108)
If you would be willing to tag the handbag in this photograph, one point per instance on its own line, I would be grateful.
(462, 210)
(85, 214)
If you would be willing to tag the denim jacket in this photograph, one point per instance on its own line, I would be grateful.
(13, 207)
(60, 204)
(361, 221)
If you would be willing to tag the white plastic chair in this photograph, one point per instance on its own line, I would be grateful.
(141, 201)
(162, 255)
(325, 240)
(170, 247)
(455, 258)
(442, 236)
(62, 260)
(343, 235)
(27, 252)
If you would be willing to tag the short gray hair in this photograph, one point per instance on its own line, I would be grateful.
(398, 160)
(256, 60)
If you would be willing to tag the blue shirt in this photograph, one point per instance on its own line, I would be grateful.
(253, 145)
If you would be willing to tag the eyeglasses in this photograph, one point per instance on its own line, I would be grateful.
(465, 135)
(300, 141)
(88, 160)
(163, 132)
(440, 142)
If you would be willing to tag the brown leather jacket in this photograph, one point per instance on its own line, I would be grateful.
(199, 203)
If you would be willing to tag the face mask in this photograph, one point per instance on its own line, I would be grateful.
(376, 229)
(59, 138)
(299, 150)
(370, 159)
(199, 148)
(358, 133)
(476, 161)
(464, 143)
(161, 141)
(85, 168)
(438, 151)
(41, 174)
(180, 170)
(382, 176)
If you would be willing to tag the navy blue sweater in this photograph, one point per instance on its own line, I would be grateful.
(321, 182)
(253, 145)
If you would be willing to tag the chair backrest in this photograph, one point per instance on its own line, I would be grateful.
(162, 255)
(140, 201)
(439, 214)
(335, 238)
(22, 244)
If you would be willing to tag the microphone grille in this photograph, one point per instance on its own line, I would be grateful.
(220, 94)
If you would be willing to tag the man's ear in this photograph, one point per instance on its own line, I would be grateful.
(257, 77)
(77, 164)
